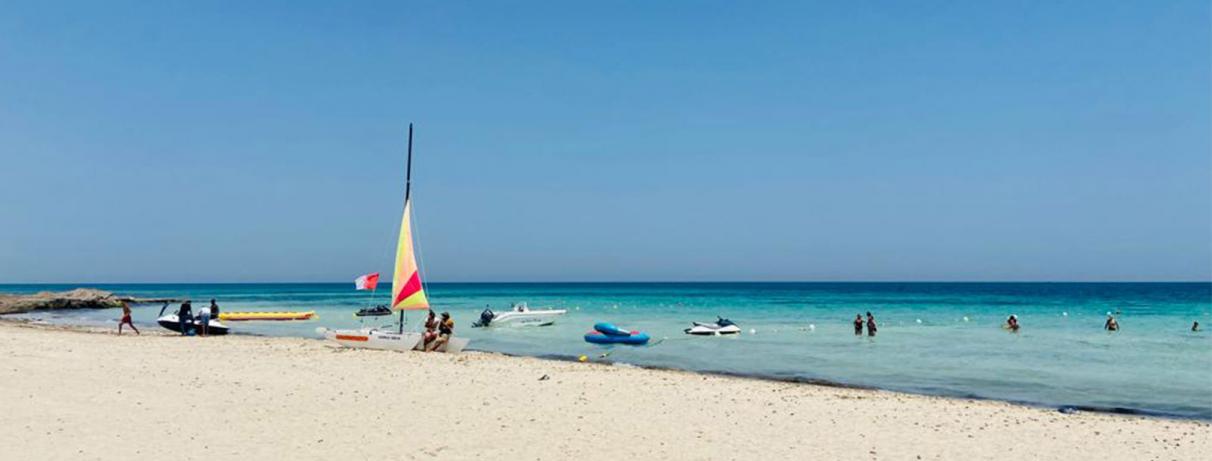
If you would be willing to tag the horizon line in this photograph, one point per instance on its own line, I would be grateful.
(519, 282)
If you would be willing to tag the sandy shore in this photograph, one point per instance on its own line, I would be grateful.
(79, 395)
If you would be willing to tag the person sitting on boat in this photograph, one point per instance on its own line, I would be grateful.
(445, 329)
(520, 307)
(431, 329)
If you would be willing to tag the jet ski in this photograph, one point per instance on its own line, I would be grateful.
(721, 326)
(171, 322)
(377, 311)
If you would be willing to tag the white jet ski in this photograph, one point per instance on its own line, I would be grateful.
(722, 326)
(519, 316)
(172, 322)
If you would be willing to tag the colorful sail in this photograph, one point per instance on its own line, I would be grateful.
(406, 290)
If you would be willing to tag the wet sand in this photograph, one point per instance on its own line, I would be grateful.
(73, 394)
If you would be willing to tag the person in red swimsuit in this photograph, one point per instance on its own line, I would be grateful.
(126, 319)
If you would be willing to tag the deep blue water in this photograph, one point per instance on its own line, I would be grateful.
(934, 338)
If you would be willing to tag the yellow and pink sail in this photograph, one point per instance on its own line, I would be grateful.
(407, 292)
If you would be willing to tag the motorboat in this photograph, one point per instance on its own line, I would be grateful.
(519, 316)
(721, 326)
(374, 338)
(172, 322)
(377, 311)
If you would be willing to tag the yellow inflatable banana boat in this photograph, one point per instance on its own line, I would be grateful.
(244, 316)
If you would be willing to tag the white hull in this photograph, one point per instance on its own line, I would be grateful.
(387, 340)
(172, 322)
(526, 319)
(711, 329)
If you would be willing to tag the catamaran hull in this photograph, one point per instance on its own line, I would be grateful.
(381, 340)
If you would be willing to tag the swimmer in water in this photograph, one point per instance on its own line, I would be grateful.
(858, 324)
(870, 324)
(1012, 324)
(1112, 324)
(1195, 326)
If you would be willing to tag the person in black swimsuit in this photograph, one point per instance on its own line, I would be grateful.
(184, 317)
(870, 324)
(445, 329)
(1112, 324)
(858, 324)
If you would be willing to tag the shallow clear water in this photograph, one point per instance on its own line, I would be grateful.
(1155, 364)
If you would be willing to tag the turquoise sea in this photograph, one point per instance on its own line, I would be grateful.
(934, 338)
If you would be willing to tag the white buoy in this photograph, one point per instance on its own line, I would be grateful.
(1064, 314)
(811, 327)
(919, 320)
(965, 318)
(753, 331)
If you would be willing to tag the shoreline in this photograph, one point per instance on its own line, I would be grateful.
(74, 392)
(1126, 411)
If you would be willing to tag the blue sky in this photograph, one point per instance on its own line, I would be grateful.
(611, 141)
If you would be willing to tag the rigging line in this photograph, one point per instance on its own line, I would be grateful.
(416, 248)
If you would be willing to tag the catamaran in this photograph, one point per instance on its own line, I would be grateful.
(407, 292)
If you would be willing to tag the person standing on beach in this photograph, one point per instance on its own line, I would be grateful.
(184, 316)
(126, 319)
(858, 324)
(214, 309)
(870, 324)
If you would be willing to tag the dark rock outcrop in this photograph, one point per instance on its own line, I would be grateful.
(80, 298)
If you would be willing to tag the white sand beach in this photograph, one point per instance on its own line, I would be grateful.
(71, 394)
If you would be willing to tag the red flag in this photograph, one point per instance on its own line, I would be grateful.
(367, 282)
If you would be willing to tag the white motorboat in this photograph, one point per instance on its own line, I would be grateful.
(519, 316)
(172, 322)
(372, 338)
(407, 293)
(722, 326)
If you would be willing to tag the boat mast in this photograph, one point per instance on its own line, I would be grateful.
(407, 191)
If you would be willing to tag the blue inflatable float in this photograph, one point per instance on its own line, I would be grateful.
(605, 333)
